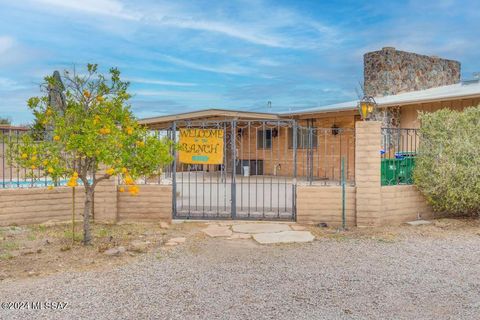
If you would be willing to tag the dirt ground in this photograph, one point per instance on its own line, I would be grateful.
(403, 272)
(41, 250)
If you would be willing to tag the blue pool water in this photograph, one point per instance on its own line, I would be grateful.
(7, 184)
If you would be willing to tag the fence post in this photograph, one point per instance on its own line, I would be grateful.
(367, 173)
(174, 170)
(344, 219)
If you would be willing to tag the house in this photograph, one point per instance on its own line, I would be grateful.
(312, 146)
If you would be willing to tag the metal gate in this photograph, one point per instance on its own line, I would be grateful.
(257, 177)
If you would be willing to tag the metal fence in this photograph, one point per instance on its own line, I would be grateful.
(398, 154)
(267, 148)
(320, 152)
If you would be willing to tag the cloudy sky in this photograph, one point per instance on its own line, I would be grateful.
(186, 55)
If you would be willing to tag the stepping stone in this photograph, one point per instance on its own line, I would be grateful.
(240, 236)
(178, 240)
(418, 222)
(260, 227)
(215, 231)
(296, 227)
(284, 237)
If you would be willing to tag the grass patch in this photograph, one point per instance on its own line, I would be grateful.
(9, 245)
(31, 237)
(5, 256)
(102, 233)
(69, 235)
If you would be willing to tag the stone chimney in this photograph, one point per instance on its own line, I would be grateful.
(389, 71)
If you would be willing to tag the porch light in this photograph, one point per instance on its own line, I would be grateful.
(366, 107)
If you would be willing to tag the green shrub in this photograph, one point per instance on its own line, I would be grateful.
(448, 165)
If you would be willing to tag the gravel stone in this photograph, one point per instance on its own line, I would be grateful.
(414, 278)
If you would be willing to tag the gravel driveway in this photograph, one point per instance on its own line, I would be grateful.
(420, 278)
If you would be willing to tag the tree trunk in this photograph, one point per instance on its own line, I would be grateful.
(87, 236)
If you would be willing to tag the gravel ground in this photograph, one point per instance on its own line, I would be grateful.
(420, 278)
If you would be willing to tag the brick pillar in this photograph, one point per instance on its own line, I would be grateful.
(367, 173)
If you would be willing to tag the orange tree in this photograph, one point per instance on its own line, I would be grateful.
(90, 136)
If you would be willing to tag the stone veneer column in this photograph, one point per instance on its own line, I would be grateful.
(367, 173)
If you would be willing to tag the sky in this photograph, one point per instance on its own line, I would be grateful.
(181, 56)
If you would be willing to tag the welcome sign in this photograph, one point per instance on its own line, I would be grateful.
(201, 146)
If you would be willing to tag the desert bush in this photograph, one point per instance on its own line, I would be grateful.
(447, 169)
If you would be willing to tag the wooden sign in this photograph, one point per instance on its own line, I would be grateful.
(201, 146)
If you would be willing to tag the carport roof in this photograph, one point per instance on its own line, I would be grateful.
(209, 113)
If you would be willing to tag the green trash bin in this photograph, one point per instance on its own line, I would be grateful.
(389, 171)
(406, 163)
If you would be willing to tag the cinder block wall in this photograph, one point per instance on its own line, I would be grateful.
(323, 204)
(40, 205)
(153, 203)
(403, 203)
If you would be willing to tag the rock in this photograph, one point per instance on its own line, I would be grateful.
(217, 231)
(418, 222)
(115, 251)
(178, 240)
(171, 244)
(260, 227)
(296, 227)
(164, 225)
(138, 246)
(32, 273)
(284, 237)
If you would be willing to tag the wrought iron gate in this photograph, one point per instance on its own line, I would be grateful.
(256, 180)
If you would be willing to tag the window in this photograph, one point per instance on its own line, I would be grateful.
(303, 138)
(264, 139)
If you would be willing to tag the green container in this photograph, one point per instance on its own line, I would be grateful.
(389, 168)
(405, 172)
(398, 170)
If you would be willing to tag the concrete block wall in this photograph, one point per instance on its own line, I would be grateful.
(153, 203)
(323, 204)
(40, 205)
(403, 203)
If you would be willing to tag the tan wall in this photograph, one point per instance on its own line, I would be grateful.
(409, 114)
(153, 203)
(40, 205)
(367, 173)
(403, 203)
(323, 204)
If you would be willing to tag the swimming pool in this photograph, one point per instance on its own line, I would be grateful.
(43, 183)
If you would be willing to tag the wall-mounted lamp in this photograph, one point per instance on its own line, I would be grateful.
(366, 107)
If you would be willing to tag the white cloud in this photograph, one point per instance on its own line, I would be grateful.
(9, 84)
(161, 82)
(226, 69)
(6, 43)
(111, 8)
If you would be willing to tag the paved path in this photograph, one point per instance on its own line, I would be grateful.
(419, 278)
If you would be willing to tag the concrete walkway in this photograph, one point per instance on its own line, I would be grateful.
(261, 232)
